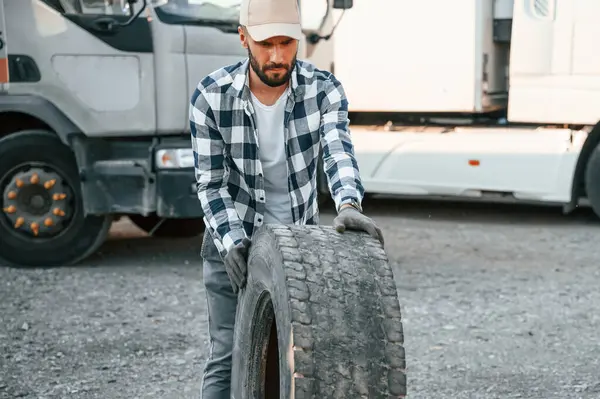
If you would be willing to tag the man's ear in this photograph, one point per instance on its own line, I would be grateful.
(243, 36)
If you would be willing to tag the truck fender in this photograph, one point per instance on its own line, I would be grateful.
(41, 109)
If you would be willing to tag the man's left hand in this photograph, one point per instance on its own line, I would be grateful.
(350, 218)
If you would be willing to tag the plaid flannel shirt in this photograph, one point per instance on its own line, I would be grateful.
(225, 144)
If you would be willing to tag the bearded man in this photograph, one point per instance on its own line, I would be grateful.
(257, 129)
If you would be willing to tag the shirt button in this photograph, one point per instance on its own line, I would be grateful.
(262, 198)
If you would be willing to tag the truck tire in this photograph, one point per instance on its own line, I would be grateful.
(592, 180)
(170, 228)
(41, 214)
(319, 317)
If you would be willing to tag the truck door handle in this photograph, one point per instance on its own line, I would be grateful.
(105, 24)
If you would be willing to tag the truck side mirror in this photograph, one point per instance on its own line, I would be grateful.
(131, 5)
(342, 4)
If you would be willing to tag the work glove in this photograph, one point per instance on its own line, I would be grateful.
(236, 264)
(350, 218)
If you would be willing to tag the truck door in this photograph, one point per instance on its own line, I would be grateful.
(194, 38)
(554, 62)
(211, 36)
(99, 74)
(3, 52)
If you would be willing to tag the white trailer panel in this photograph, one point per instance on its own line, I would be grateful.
(554, 62)
(421, 56)
(525, 164)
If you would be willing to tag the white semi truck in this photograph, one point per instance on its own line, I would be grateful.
(490, 100)
(94, 99)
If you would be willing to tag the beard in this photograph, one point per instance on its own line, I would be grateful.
(277, 80)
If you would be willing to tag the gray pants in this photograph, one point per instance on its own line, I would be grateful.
(222, 304)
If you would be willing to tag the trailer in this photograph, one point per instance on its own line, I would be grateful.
(94, 125)
(485, 100)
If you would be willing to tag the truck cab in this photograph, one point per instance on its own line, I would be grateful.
(94, 124)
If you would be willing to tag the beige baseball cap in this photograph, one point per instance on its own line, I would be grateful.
(269, 18)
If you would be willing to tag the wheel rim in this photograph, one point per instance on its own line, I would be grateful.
(38, 203)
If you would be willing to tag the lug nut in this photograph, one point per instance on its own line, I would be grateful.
(58, 212)
(35, 227)
(49, 184)
(10, 209)
(19, 183)
(20, 222)
(48, 222)
(35, 179)
(12, 195)
(58, 197)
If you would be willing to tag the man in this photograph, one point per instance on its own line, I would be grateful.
(257, 128)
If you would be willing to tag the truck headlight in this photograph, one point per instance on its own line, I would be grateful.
(175, 158)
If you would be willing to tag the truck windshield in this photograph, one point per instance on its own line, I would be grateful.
(200, 12)
(223, 14)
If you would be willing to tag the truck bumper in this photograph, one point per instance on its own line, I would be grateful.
(176, 194)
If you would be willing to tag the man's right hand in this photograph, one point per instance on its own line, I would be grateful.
(236, 265)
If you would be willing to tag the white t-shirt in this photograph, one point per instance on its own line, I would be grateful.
(271, 149)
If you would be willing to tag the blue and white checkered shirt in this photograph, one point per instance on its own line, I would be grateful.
(228, 169)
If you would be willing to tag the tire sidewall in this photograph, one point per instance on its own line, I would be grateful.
(82, 234)
(265, 275)
(592, 180)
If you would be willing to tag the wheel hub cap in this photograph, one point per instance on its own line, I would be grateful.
(36, 203)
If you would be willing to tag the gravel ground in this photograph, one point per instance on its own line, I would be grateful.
(498, 301)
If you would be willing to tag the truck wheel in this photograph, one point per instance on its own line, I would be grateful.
(592, 180)
(318, 318)
(41, 214)
(179, 228)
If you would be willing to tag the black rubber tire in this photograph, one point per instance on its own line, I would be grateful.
(85, 234)
(170, 228)
(338, 329)
(592, 180)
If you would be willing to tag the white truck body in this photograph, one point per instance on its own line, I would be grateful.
(481, 111)
(129, 75)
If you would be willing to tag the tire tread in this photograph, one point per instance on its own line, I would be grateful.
(346, 317)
